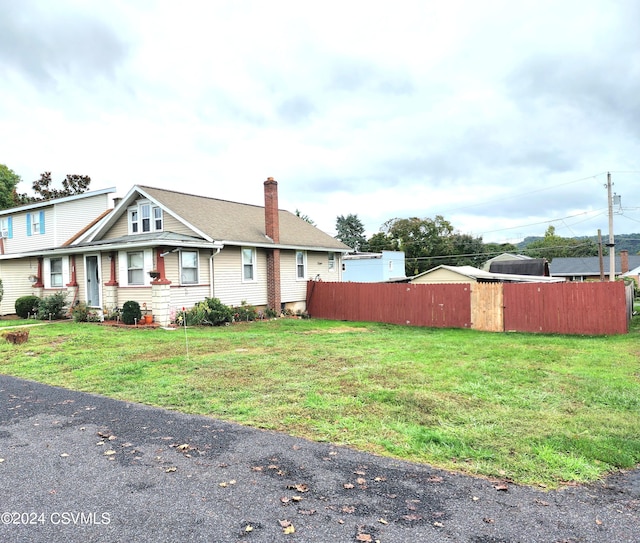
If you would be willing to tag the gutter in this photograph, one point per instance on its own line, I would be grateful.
(218, 248)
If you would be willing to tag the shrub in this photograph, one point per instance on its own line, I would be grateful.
(210, 312)
(131, 312)
(79, 312)
(83, 313)
(270, 313)
(246, 312)
(53, 306)
(27, 305)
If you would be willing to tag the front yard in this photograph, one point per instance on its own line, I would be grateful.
(535, 409)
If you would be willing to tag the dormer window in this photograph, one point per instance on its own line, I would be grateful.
(145, 217)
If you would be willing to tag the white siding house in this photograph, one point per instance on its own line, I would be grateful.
(167, 250)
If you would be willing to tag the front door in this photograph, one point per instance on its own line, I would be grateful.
(93, 281)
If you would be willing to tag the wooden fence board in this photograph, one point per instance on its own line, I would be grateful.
(487, 307)
(563, 308)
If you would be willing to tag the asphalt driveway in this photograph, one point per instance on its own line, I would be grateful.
(79, 468)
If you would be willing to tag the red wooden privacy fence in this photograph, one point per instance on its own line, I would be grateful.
(566, 308)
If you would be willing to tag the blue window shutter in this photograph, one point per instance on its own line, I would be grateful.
(9, 227)
(28, 224)
(42, 222)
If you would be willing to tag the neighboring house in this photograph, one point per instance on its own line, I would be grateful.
(587, 268)
(28, 232)
(170, 250)
(373, 267)
(469, 274)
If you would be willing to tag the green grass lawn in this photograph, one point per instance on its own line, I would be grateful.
(537, 409)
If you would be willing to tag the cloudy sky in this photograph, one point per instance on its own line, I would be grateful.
(502, 116)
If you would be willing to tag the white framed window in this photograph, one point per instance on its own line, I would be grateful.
(332, 262)
(135, 268)
(157, 219)
(55, 273)
(188, 267)
(301, 265)
(35, 223)
(248, 264)
(133, 221)
(145, 217)
(6, 227)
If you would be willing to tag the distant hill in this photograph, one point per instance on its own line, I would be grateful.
(628, 242)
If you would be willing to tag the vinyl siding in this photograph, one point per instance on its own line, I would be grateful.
(62, 221)
(15, 281)
(119, 229)
(228, 285)
(71, 217)
(170, 224)
(187, 297)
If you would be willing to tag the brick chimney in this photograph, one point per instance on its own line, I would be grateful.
(624, 261)
(271, 222)
(272, 230)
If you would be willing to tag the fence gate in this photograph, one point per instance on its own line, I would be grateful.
(487, 307)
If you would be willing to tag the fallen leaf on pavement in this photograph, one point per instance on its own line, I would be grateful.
(171, 469)
(109, 452)
(382, 521)
(347, 485)
(502, 487)
(364, 537)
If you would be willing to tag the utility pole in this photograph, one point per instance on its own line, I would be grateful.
(600, 255)
(611, 244)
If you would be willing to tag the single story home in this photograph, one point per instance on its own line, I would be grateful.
(587, 268)
(470, 274)
(164, 249)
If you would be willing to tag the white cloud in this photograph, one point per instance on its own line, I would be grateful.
(382, 110)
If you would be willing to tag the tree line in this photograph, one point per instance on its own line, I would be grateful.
(430, 242)
(42, 187)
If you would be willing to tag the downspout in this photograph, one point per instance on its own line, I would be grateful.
(211, 291)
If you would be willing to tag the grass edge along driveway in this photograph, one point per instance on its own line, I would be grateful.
(534, 409)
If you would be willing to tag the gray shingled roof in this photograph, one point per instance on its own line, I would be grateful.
(237, 223)
(588, 265)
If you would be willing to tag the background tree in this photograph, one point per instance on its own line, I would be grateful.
(73, 184)
(427, 243)
(465, 250)
(304, 217)
(8, 182)
(419, 239)
(552, 246)
(494, 249)
(351, 232)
